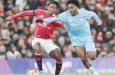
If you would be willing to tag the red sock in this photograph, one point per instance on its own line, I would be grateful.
(38, 57)
(58, 68)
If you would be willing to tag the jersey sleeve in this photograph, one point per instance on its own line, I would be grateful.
(61, 17)
(22, 14)
(26, 13)
(91, 14)
(58, 24)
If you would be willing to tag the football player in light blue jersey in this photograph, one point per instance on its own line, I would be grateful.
(76, 22)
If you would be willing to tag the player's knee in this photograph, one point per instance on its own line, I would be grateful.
(37, 47)
(93, 57)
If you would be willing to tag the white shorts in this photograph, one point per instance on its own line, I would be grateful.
(88, 44)
(47, 44)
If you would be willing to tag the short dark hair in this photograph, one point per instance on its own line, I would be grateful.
(54, 2)
(75, 2)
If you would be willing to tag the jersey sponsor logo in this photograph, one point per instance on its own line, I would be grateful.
(42, 16)
(44, 25)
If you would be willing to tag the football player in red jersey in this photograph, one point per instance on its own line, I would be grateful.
(43, 35)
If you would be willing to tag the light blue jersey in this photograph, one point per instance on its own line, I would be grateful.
(78, 26)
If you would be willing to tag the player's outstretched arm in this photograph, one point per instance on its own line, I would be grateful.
(51, 19)
(58, 24)
(91, 14)
(61, 17)
(99, 23)
(96, 18)
(47, 20)
(21, 14)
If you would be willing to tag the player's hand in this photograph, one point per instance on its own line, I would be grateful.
(7, 19)
(39, 20)
(100, 28)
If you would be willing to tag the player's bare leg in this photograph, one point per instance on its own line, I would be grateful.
(92, 55)
(57, 56)
(38, 57)
(82, 54)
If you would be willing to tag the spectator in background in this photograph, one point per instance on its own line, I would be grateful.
(1, 8)
(34, 4)
(21, 4)
(8, 4)
(2, 49)
(13, 53)
(63, 4)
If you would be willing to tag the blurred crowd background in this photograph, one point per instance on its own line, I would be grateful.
(15, 37)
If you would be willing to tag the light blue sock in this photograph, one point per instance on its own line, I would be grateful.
(91, 69)
(41, 72)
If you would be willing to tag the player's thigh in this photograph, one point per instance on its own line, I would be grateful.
(49, 46)
(79, 48)
(36, 45)
(80, 51)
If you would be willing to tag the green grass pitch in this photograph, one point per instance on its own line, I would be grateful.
(77, 74)
(86, 74)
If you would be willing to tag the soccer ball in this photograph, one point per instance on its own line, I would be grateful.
(32, 72)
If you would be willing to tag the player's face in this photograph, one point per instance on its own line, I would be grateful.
(72, 9)
(52, 9)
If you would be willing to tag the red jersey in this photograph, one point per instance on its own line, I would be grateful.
(42, 30)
